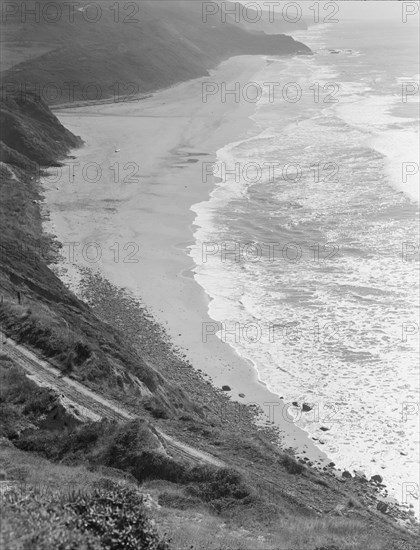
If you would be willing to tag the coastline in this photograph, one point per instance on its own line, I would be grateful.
(154, 212)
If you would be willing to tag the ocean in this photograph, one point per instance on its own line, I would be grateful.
(308, 245)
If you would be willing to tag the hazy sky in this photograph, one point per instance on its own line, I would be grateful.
(371, 10)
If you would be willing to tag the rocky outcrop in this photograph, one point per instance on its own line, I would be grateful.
(61, 414)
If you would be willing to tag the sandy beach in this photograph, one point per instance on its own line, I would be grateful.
(138, 214)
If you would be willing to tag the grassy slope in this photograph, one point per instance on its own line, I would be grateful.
(169, 43)
(229, 506)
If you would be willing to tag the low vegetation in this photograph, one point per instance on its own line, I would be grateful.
(291, 464)
(103, 519)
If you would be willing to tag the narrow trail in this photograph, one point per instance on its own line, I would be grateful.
(91, 405)
(94, 407)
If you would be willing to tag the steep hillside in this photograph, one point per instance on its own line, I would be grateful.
(36, 307)
(165, 43)
(30, 129)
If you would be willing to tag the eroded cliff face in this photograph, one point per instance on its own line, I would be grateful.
(30, 130)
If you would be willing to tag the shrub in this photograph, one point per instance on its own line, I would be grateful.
(154, 407)
(292, 465)
(174, 500)
(222, 488)
(118, 518)
(107, 520)
(39, 403)
(48, 444)
(124, 445)
(19, 395)
(154, 465)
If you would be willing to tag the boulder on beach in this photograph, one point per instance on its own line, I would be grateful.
(226, 388)
(241, 395)
(382, 506)
(324, 429)
(295, 404)
(377, 478)
(306, 407)
(346, 474)
(360, 475)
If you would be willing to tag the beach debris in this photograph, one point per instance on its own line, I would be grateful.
(117, 150)
(241, 394)
(295, 403)
(324, 429)
(226, 388)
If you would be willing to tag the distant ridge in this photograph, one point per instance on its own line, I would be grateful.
(81, 60)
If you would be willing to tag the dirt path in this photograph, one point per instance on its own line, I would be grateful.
(89, 404)
(93, 406)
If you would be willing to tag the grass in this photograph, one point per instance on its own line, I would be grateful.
(56, 507)
(191, 528)
(292, 465)
(103, 519)
(94, 455)
(199, 508)
(21, 401)
(131, 447)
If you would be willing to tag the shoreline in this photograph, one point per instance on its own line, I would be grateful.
(155, 215)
